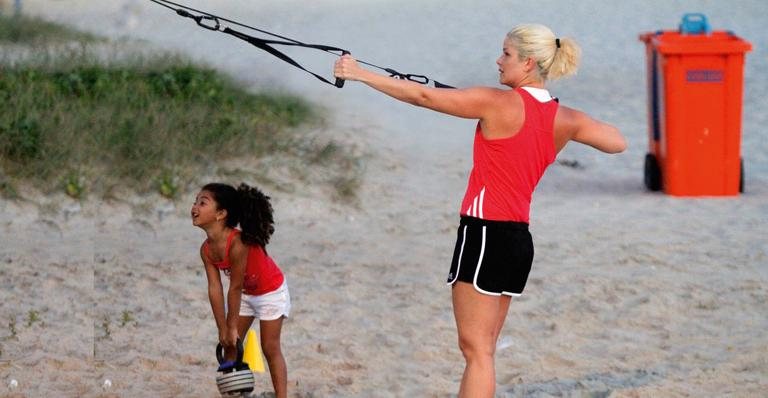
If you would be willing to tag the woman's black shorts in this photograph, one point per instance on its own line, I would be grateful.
(494, 256)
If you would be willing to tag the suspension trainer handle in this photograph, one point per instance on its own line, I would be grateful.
(339, 81)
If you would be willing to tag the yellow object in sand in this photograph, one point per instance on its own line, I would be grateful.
(252, 352)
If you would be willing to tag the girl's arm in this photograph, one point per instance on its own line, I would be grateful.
(238, 257)
(471, 103)
(215, 293)
(571, 124)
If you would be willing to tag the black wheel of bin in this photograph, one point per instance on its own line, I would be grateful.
(741, 175)
(652, 173)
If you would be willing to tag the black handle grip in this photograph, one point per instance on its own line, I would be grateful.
(220, 352)
(340, 82)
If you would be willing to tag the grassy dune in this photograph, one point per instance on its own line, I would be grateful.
(27, 30)
(73, 121)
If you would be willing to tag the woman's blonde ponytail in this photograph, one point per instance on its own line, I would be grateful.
(555, 57)
(566, 59)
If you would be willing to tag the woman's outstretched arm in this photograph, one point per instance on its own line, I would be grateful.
(470, 103)
(571, 124)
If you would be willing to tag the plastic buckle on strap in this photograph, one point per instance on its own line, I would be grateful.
(421, 79)
(394, 73)
(200, 18)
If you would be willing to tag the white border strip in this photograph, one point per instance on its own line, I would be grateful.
(540, 94)
(482, 198)
(461, 253)
(477, 270)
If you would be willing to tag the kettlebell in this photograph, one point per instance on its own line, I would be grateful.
(235, 377)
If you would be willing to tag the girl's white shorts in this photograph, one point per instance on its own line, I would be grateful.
(269, 306)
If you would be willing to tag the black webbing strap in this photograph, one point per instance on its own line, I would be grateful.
(264, 44)
(212, 22)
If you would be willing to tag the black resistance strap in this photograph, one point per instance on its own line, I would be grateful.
(213, 22)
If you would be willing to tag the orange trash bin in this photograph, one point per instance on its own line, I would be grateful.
(695, 90)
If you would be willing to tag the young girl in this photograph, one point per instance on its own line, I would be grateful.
(257, 287)
(519, 132)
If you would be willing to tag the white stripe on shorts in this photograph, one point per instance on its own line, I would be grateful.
(477, 270)
(461, 252)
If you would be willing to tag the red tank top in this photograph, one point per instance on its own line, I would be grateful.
(505, 171)
(262, 275)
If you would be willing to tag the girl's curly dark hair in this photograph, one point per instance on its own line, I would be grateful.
(256, 216)
(247, 206)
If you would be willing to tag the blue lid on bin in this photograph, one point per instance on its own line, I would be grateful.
(695, 24)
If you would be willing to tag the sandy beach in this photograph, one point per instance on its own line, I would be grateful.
(632, 293)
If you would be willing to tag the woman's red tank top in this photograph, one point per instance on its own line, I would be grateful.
(505, 171)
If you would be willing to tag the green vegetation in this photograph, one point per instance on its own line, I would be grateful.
(106, 327)
(26, 30)
(127, 318)
(12, 328)
(133, 125)
(32, 317)
(74, 122)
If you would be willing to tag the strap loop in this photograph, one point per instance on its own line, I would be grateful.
(200, 18)
(421, 79)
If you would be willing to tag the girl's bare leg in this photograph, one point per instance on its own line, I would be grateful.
(270, 344)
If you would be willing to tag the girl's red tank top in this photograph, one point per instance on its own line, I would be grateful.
(262, 275)
(505, 171)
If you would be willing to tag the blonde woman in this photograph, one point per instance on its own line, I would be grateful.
(519, 132)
